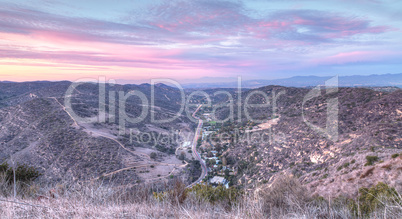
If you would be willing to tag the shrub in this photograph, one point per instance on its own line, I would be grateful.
(23, 173)
(367, 173)
(395, 155)
(218, 194)
(373, 198)
(182, 156)
(371, 160)
(179, 193)
(387, 167)
(152, 155)
(283, 192)
(345, 165)
(176, 195)
(136, 194)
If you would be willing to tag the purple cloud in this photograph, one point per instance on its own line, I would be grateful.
(202, 34)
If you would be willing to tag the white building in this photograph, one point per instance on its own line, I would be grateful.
(205, 134)
(219, 180)
(186, 144)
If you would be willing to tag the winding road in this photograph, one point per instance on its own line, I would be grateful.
(195, 153)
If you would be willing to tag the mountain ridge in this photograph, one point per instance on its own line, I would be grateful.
(380, 80)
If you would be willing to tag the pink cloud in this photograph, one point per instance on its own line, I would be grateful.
(183, 36)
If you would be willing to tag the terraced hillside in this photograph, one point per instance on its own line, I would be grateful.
(38, 130)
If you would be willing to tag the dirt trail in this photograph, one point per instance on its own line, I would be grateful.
(118, 142)
(146, 165)
(64, 108)
(99, 133)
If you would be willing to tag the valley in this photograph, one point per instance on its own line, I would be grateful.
(249, 150)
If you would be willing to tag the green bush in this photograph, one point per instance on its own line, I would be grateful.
(345, 165)
(371, 199)
(23, 173)
(217, 194)
(371, 160)
(395, 155)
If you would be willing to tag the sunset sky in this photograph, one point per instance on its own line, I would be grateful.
(190, 41)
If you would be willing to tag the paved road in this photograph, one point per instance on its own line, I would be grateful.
(194, 149)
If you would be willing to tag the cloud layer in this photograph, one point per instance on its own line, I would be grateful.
(191, 39)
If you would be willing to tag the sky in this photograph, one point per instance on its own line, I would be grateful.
(197, 40)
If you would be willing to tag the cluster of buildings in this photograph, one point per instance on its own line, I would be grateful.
(217, 166)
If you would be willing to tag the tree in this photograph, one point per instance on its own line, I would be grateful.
(227, 172)
(182, 156)
(211, 162)
(218, 147)
(152, 155)
(224, 161)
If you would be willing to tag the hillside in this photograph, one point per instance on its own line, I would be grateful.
(36, 129)
(369, 125)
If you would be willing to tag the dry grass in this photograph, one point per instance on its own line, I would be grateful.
(285, 198)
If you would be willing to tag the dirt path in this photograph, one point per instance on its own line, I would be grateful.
(99, 133)
(118, 142)
(64, 108)
(145, 165)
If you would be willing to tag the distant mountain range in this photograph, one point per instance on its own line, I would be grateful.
(383, 80)
(306, 81)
